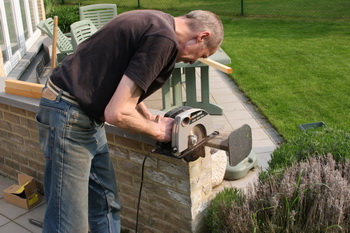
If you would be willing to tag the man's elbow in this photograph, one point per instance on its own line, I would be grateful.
(113, 118)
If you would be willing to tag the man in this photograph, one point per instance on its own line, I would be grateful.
(106, 80)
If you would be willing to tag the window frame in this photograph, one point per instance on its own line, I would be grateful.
(33, 35)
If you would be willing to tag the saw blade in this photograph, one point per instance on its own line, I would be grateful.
(197, 134)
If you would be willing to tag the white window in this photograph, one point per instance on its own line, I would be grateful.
(18, 20)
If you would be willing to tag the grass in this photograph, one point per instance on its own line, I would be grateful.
(294, 71)
(289, 8)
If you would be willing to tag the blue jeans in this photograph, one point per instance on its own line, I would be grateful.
(80, 184)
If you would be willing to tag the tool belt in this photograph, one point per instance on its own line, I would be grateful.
(52, 92)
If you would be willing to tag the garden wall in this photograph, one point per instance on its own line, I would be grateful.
(175, 193)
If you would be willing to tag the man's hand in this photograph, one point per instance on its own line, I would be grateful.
(166, 127)
(165, 124)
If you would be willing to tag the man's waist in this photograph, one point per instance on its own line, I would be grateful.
(52, 92)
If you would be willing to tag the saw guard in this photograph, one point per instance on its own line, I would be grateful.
(183, 125)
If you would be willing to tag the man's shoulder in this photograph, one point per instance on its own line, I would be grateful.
(146, 22)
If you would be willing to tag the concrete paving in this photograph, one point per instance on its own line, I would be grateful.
(237, 111)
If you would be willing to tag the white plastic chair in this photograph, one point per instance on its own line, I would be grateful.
(80, 31)
(99, 14)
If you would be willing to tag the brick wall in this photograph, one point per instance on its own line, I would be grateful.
(41, 9)
(175, 193)
(19, 150)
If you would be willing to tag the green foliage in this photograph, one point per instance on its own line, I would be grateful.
(219, 208)
(317, 141)
(49, 4)
(310, 196)
(67, 14)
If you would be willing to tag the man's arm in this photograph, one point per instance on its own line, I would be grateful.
(144, 111)
(124, 112)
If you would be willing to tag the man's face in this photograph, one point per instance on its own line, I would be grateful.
(192, 50)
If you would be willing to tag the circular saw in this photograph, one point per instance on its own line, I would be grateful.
(191, 129)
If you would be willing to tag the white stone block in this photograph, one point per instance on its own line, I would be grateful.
(219, 161)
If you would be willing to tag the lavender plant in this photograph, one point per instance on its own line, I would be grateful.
(311, 196)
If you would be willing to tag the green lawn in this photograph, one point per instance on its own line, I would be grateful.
(284, 8)
(294, 71)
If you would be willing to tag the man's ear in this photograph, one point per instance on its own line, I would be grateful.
(203, 35)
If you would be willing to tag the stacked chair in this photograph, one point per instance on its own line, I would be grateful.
(99, 14)
(64, 43)
(92, 18)
(80, 31)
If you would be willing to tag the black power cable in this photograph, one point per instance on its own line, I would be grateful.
(140, 192)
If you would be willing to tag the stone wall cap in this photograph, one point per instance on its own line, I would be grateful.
(31, 104)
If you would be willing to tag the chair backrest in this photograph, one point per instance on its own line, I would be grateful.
(99, 14)
(63, 42)
(42, 25)
(80, 31)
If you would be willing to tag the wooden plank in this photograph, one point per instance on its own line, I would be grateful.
(29, 94)
(22, 85)
(21, 88)
(217, 65)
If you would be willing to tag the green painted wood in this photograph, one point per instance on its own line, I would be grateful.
(172, 91)
(187, 73)
(191, 93)
(166, 96)
(177, 87)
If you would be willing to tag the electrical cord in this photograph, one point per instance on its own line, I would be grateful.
(140, 191)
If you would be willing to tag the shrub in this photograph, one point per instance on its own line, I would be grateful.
(219, 209)
(49, 4)
(311, 196)
(318, 141)
(67, 14)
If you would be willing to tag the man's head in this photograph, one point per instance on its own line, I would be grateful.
(202, 38)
